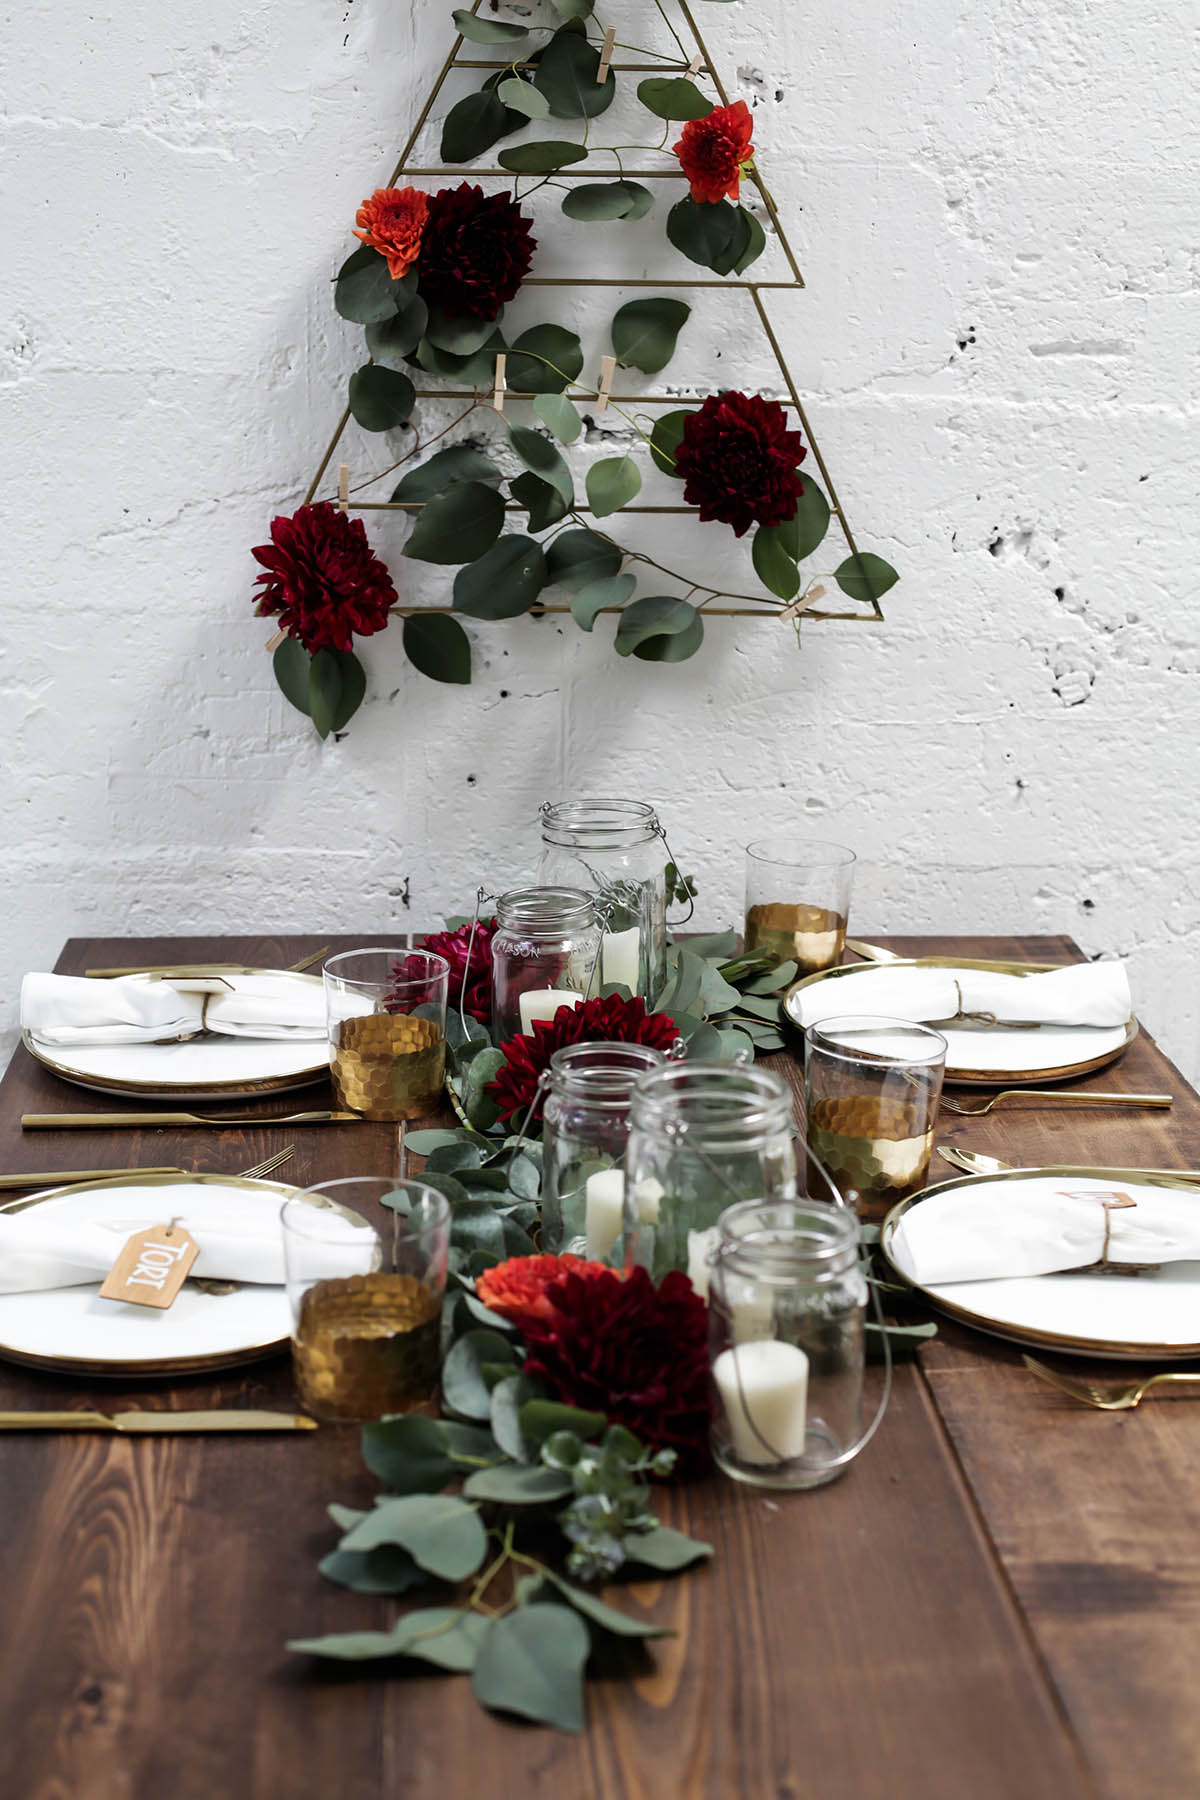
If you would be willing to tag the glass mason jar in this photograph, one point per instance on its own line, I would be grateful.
(701, 1136)
(545, 954)
(786, 1310)
(586, 1123)
(616, 850)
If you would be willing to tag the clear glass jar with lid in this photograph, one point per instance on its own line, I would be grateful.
(705, 1134)
(787, 1307)
(545, 954)
(616, 850)
(586, 1123)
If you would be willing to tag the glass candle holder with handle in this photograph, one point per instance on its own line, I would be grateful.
(872, 1088)
(365, 1267)
(386, 1015)
(545, 954)
(798, 900)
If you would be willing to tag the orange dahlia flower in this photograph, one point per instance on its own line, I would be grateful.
(392, 222)
(517, 1288)
(712, 150)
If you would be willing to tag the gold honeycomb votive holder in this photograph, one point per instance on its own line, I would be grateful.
(386, 1018)
(872, 1088)
(798, 900)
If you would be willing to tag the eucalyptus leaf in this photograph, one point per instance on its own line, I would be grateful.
(523, 97)
(393, 339)
(415, 1455)
(865, 576)
(324, 690)
(463, 1386)
(772, 564)
(541, 158)
(449, 1636)
(573, 9)
(381, 399)
(508, 1397)
(476, 370)
(705, 231)
(755, 242)
(645, 332)
(504, 582)
(513, 1484)
(474, 124)
(544, 360)
(649, 625)
(590, 601)
(438, 646)
(531, 1662)
(540, 456)
(482, 30)
(665, 1549)
(457, 525)
(673, 99)
(607, 1617)
(290, 665)
(566, 75)
(492, 1320)
(448, 1159)
(595, 200)
(387, 1570)
(611, 484)
(801, 534)
(524, 1178)
(477, 1226)
(577, 558)
(560, 415)
(541, 1418)
(440, 1532)
(445, 468)
(666, 438)
(462, 335)
(364, 291)
(735, 1044)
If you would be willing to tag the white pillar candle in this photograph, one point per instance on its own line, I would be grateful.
(701, 1248)
(751, 1311)
(649, 1196)
(764, 1390)
(620, 957)
(543, 1003)
(605, 1199)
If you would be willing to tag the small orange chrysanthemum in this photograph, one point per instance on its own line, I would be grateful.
(392, 222)
(517, 1288)
(712, 150)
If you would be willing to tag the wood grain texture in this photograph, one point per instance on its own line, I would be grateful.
(851, 1644)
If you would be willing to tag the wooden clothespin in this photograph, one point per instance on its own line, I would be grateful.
(499, 385)
(343, 498)
(610, 38)
(803, 602)
(608, 368)
(273, 643)
(693, 68)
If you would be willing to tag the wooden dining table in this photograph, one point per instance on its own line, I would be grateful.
(999, 1601)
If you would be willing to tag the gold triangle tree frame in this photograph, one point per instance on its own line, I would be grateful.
(866, 575)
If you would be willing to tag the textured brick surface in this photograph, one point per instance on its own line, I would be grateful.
(994, 211)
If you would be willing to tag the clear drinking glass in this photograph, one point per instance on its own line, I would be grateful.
(616, 850)
(798, 900)
(786, 1309)
(701, 1136)
(386, 1015)
(872, 1088)
(365, 1267)
(545, 954)
(586, 1124)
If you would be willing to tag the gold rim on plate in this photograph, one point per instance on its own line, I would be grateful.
(976, 1077)
(1114, 1349)
(176, 1365)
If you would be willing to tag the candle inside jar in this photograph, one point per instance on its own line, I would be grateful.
(620, 957)
(763, 1387)
(702, 1247)
(604, 1206)
(543, 1003)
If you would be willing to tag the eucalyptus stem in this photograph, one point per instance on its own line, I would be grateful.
(420, 444)
(702, 587)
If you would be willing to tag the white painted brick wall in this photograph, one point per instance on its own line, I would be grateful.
(995, 210)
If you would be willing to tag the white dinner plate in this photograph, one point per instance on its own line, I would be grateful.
(203, 1068)
(72, 1329)
(992, 1056)
(1117, 1317)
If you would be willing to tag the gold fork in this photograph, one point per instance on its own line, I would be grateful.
(1106, 1399)
(1064, 1097)
(265, 1168)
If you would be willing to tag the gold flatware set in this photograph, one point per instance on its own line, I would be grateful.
(203, 968)
(142, 1424)
(98, 1121)
(72, 1177)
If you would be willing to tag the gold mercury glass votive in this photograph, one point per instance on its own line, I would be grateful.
(386, 1015)
(872, 1088)
(797, 901)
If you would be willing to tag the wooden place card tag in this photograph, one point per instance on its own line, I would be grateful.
(152, 1267)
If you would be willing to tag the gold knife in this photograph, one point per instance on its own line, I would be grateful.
(61, 1177)
(972, 1162)
(204, 968)
(230, 1420)
(100, 1121)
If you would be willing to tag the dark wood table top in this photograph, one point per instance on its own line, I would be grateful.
(1001, 1597)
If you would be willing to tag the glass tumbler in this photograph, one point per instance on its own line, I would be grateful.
(365, 1267)
(872, 1088)
(786, 1311)
(616, 850)
(798, 900)
(385, 1012)
(586, 1124)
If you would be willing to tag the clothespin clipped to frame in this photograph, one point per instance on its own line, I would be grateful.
(610, 38)
(802, 603)
(693, 68)
(499, 386)
(608, 368)
(343, 498)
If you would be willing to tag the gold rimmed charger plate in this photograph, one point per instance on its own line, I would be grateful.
(107, 1368)
(998, 1077)
(1183, 1279)
(60, 1062)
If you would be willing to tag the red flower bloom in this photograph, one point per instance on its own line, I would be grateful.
(712, 150)
(636, 1353)
(518, 1288)
(739, 461)
(475, 253)
(610, 1020)
(323, 578)
(477, 975)
(392, 221)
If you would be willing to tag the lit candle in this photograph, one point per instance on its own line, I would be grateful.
(543, 1003)
(764, 1390)
(605, 1200)
(620, 957)
(649, 1196)
(701, 1246)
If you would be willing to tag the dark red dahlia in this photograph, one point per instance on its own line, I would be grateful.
(323, 578)
(610, 1020)
(740, 460)
(636, 1353)
(475, 252)
(475, 975)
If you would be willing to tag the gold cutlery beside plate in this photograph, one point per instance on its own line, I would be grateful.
(45, 1178)
(204, 968)
(1109, 1399)
(144, 1424)
(108, 1121)
(975, 1109)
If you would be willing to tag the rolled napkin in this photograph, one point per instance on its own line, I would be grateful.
(70, 1009)
(45, 1249)
(1092, 993)
(1043, 1226)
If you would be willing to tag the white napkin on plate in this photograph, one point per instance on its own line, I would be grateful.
(1041, 1226)
(44, 1248)
(70, 1009)
(1092, 993)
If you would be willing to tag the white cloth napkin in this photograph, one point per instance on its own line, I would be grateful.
(69, 1009)
(1042, 1226)
(44, 1249)
(1092, 993)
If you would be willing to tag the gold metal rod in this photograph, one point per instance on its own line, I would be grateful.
(329, 450)
(568, 169)
(628, 68)
(425, 111)
(710, 612)
(512, 507)
(621, 281)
